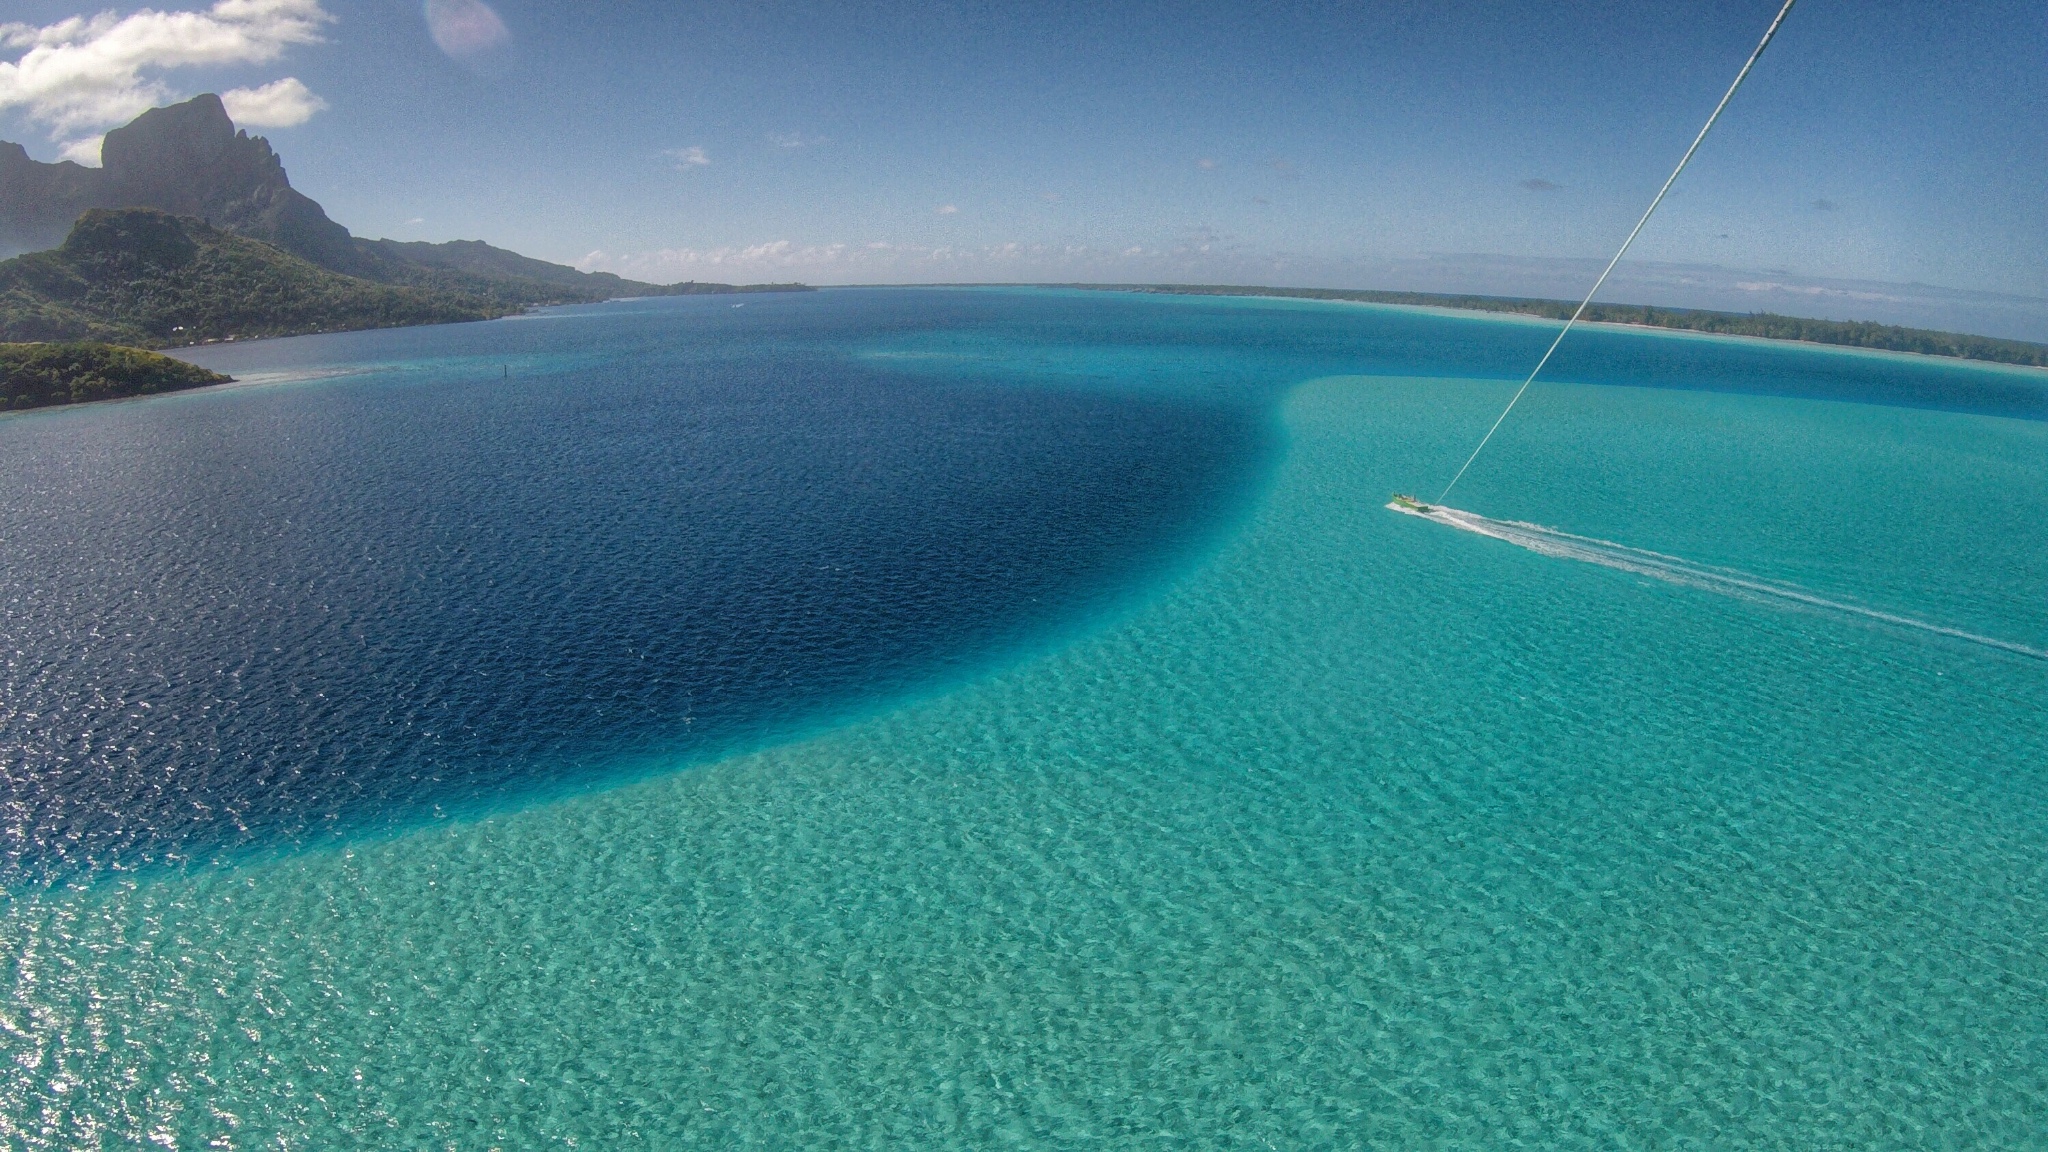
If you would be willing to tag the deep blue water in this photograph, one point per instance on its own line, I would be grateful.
(454, 567)
(263, 613)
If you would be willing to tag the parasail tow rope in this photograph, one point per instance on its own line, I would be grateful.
(1769, 33)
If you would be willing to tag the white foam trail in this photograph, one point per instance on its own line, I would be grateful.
(1672, 569)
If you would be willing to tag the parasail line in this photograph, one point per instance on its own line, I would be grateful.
(1769, 33)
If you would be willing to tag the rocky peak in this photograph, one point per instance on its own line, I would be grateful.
(186, 159)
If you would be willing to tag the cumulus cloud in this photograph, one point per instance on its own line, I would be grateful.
(86, 151)
(466, 30)
(89, 72)
(1779, 286)
(279, 104)
(753, 260)
(688, 158)
(876, 260)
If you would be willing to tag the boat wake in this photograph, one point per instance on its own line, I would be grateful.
(1673, 570)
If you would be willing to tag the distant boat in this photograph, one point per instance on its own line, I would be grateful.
(1409, 504)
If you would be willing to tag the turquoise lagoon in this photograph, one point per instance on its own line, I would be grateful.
(1342, 830)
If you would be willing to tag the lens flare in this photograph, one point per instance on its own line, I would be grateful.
(466, 29)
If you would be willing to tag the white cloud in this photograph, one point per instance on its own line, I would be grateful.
(279, 104)
(1206, 164)
(466, 29)
(86, 151)
(1816, 290)
(688, 158)
(883, 262)
(754, 261)
(1181, 260)
(948, 210)
(90, 72)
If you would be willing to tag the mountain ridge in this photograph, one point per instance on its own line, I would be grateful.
(189, 161)
(145, 278)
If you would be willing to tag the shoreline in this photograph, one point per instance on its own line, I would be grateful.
(536, 310)
(1694, 333)
(1447, 309)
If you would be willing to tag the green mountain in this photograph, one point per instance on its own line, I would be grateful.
(142, 277)
(35, 375)
(186, 159)
(192, 231)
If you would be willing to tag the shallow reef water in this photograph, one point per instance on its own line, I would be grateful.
(1316, 826)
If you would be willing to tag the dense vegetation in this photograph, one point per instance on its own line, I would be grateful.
(143, 277)
(139, 276)
(1848, 333)
(36, 375)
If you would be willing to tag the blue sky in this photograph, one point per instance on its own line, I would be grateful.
(1307, 143)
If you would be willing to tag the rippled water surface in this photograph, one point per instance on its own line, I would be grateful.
(423, 581)
(1281, 821)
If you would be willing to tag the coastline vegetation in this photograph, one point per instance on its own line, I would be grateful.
(40, 375)
(149, 279)
(1766, 325)
(140, 277)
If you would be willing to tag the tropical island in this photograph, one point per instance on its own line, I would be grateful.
(1763, 325)
(39, 375)
(191, 233)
